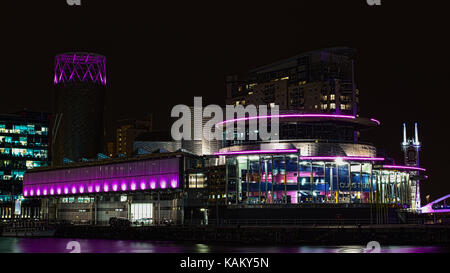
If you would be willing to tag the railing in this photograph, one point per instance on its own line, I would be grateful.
(308, 222)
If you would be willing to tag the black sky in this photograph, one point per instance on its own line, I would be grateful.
(162, 54)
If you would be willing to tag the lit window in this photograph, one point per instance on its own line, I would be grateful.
(332, 105)
(332, 97)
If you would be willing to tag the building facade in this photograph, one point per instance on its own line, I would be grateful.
(153, 188)
(319, 169)
(320, 81)
(126, 133)
(24, 145)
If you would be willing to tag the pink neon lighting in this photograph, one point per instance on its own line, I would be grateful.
(281, 151)
(80, 67)
(40, 183)
(429, 207)
(403, 168)
(376, 121)
(356, 158)
(288, 116)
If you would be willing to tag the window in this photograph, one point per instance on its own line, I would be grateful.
(197, 181)
(332, 97)
(332, 105)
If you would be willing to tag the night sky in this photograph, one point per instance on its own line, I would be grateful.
(163, 54)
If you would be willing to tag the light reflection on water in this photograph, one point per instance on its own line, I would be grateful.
(58, 245)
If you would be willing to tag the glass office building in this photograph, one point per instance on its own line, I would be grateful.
(24, 144)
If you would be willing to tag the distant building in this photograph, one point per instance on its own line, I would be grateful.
(78, 102)
(151, 142)
(110, 149)
(127, 131)
(320, 81)
(24, 144)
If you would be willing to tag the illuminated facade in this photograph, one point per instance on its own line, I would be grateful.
(327, 169)
(150, 186)
(24, 144)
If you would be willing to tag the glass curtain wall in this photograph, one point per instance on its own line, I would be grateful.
(284, 179)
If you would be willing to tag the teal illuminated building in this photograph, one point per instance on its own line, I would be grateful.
(24, 144)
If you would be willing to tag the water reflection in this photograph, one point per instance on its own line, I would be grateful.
(57, 245)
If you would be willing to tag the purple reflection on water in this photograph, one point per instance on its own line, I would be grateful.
(58, 245)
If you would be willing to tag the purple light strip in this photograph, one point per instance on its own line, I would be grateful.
(356, 158)
(376, 121)
(403, 168)
(282, 151)
(429, 207)
(288, 116)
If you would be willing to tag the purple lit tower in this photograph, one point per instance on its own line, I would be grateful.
(411, 149)
(78, 106)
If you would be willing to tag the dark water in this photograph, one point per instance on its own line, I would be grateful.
(58, 245)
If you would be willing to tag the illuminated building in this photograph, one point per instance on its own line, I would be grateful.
(78, 102)
(320, 170)
(146, 187)
(320, 81)
(23, 145)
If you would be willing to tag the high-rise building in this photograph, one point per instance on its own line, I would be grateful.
(79, 91)
(320, 81)
(23, 145)
(127, 131)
